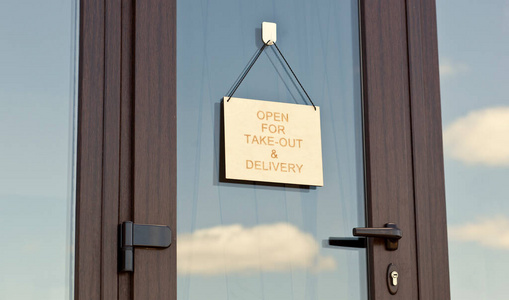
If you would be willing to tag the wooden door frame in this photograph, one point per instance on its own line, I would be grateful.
(126, 166)
(403, 141)
(104, 191)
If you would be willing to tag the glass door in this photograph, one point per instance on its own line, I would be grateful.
(254, 240)
(152, 77)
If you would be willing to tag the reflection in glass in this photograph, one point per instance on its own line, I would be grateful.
(261, 241)
(474, 64)
(38, 59)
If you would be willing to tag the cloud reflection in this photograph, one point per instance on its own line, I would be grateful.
(481, 137)
(278, 247)
(450, 69)
(489, 232)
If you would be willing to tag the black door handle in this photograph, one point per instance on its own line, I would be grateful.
(391, 233)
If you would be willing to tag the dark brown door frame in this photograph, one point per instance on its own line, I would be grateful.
(388, 143)
(404, 159)
(127, 145)
(105, 146)
(428, 163)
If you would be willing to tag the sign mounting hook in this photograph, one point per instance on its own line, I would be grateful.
(269, 33)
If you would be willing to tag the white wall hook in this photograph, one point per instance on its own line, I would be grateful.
(269, 33)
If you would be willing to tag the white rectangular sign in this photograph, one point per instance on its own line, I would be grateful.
(272, 142)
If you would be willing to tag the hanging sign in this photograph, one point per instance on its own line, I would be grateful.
(272, 142)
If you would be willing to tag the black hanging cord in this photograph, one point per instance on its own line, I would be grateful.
(253, 62)
(294, 75)
(247, 71)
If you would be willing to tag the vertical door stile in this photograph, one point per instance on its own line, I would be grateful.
(155, 143)
(111, 148)
(431, 228)
(389, 182)
(90, 151)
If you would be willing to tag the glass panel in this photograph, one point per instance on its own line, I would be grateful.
(474, 64)
(38, 59)
(253, 240)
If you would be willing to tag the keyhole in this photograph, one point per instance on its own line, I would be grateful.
(394, 276)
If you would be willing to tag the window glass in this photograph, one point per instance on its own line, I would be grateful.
(473, 41)
(250, 240)
(38, 59)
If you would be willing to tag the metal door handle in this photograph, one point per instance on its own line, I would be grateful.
(391, 233)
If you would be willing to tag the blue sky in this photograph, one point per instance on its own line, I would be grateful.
(473, 38)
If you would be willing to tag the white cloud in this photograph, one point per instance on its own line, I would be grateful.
(481, 137)
(275, 247)
(489, 232)
(450, 69)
